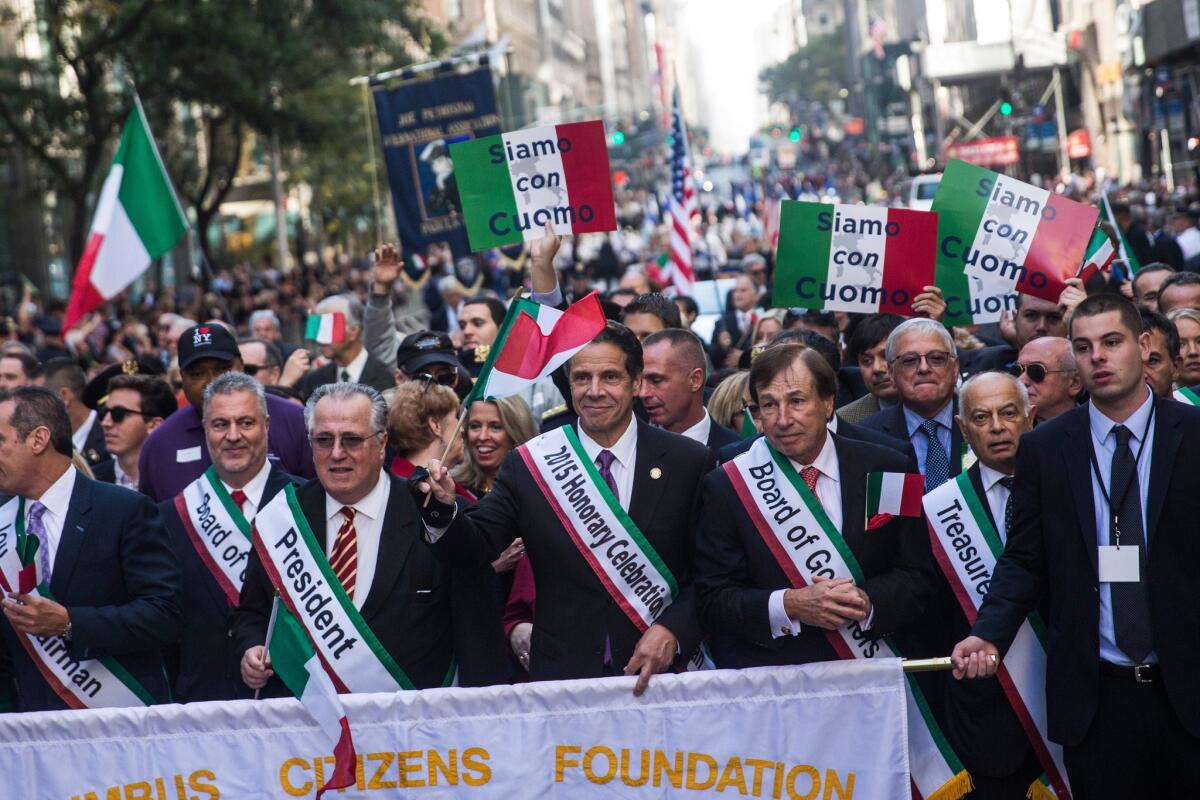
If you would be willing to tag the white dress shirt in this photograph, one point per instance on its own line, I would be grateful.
(625, 452)
(79, 437)
(355, 368)
(368, 525)
(56, 499)
(121, 477)
(254, 489)
(997, 496)
(699, 432)
(829, 492)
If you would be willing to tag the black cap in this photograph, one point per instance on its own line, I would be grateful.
(96, 391)
(423, 348)
(206, 341)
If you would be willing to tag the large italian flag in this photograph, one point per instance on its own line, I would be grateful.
(863, 259)
(534, 340)
(296, 663)
(1010, 234)
(511, 184)
(137, 220)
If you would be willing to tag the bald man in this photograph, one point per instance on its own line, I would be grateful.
(1047, 369)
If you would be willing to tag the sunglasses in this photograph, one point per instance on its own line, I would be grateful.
(445, 379)
(1036, 372)
(119, 414)
(252, 369)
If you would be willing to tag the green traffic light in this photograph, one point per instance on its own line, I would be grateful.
(1006, 108)
(618, 137)
(794, 135)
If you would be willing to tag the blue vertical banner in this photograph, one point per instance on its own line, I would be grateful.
(418, 121)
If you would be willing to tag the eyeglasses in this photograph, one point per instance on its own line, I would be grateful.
(351, 442)
(1037, 372)
(253, 369)
(936, 359)
(119, 413)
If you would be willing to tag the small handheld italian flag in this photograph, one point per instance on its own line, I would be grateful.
(296, 663)
(1101, 253)
(512, 184)
(893, 494)
(27, 547)
(326, 328)
(534, 340)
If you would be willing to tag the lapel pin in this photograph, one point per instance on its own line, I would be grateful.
(655, 473)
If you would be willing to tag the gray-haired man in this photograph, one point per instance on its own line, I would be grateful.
(209, 526)
(349, 361)
(359, 526)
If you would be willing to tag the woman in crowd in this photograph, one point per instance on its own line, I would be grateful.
(421, 419)
(1187, 322)
(493, 429)
(769, 323)
(729, 400)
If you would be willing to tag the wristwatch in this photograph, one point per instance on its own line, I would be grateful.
(66, 632)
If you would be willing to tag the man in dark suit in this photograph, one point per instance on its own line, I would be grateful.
(744, 592)
(209, 525)
(580, 631)
(673, 388)
(734, 332)
(427, 616)
(104, 555)
(979, 721)
(924, 365)
(349, 361)
(1123, 628)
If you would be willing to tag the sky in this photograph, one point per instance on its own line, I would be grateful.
(722, 34)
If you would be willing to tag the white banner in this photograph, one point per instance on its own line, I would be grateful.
(828, 731)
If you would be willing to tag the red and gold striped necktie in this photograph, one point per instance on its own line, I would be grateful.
(344, 558)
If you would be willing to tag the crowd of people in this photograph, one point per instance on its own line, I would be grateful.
(664, 501)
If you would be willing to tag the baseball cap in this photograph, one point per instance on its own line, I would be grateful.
(206, 341)
(423, 348)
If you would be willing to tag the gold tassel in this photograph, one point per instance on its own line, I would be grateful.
(954, 788)
(1040, 791)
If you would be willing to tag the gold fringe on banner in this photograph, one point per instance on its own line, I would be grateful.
(954, 788)
(1040, 791)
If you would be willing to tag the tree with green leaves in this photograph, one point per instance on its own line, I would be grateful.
(814, 73)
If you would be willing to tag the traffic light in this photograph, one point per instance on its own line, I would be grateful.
(1006, 108)
(794, 135)
(618, 137)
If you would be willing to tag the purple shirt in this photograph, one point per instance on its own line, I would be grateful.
(176, 453)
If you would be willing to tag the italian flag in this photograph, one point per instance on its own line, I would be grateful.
(748, 427)
(1100, 255)
(326, 328)
(1013, 235)
(534, 340)
(511, 184)
(1100, 252)
(137, 219)
(864, 259)
(296, 663)
(893, 494)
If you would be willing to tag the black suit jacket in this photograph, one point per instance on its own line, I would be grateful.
(891, 421)
(119, 580)
(95, 449)
(719, 436)
(424, 614)
(203, 664)
(375, 374)
(574, 611)
(736, 572)
(1051, 553)
(846, 430)
(979, 722)
(105, 471)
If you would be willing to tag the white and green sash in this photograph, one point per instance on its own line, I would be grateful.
(218, 530)
(966, 546)
(806, 544)
(89, 683)
(628, 567)
(300, 573)
(1185, 395)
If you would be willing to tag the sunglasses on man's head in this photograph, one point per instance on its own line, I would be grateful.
(119, 413)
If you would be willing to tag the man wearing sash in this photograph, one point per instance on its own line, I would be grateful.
(607, 514)
(1105, 504)
(90, 582)
(209, 523)
(752, 536)
(344, 554)
(968, 522)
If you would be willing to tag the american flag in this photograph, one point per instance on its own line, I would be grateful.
(682, 205)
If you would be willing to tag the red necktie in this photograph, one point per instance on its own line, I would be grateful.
(344, 559)
(239, 497)
(810, 475)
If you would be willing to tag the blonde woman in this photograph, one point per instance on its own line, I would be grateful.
(493, 429)
(729, 400)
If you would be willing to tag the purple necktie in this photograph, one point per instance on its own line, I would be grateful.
(604, 461)
(35, 526)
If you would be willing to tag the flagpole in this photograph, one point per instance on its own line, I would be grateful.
(270, 630)
(927, 664)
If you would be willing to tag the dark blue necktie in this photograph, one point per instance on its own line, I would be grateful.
(937, 463)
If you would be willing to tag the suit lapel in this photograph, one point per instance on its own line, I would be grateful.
(956, 442)
(647, 490)
(312, 503)
(276, 480)
(1167, 436)
(1077, 462)
(71, 540)
(894, 424)
(395, 541)
(853, 485)
(976, 477)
